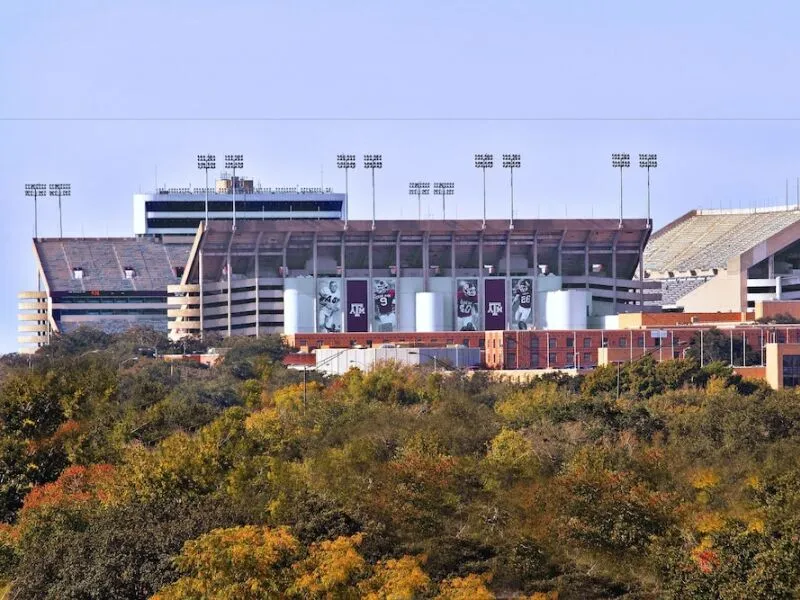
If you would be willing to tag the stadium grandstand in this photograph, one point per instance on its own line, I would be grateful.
(413, 276)
(107, 283)
(726, 260)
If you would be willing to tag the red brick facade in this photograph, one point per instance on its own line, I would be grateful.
(548, 349)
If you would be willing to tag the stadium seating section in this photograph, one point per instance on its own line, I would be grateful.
(707, 239)
(104, 260)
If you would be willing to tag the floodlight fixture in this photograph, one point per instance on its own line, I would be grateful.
(372, 162)
(444, 189)
(35, 190)
(346, 162)
(233, 162)
(60, 189)
(206, 162)
(511, 162)
(620, 160)
(483, 162)
(419, 189)
(650, 161)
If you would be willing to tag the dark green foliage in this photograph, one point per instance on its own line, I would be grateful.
(122, 553)
(779, 319)
(716, 347)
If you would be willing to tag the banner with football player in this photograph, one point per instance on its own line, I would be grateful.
(357, 305)
(522, 303)
(467, 310)
(329, 305)
(494, 304)
(384, 312)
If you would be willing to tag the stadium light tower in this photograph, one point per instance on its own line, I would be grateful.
(233, 162)
(511, 162)
(35, 190)
(483, 162)
(60, 189)
(346, 162)
(444, 189)
(419, 189)
(650, 161)
(620, 160)
(206, 162)
(372, 162)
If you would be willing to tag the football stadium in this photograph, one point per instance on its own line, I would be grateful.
(541, 294)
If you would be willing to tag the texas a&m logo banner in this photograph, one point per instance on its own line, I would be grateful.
(494, 304)
(357, 298)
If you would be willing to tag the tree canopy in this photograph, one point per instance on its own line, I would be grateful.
(140, 479)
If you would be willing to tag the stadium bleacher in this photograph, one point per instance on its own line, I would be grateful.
(706, 240)
(104, 260)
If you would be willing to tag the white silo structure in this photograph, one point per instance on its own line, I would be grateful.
(430, 312)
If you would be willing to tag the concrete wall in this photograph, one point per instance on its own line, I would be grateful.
(720, 294)
(336, 362)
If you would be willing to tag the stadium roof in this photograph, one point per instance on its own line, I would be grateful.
(703, 240)
(572, 236)
(103, 262)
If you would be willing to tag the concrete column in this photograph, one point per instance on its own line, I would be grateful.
(202, 300)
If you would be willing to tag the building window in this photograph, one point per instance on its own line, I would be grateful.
(587, 358)
(587, 342)
(623, 342)
(77, 273)
(534, 342)
(534, 360)
(510, 343)
(570, 359)
(511, 360)
(640, 342)
(791, 370)
(130, 272)
(781, 338)
(553, 358)
(570, 342)
(553, 342)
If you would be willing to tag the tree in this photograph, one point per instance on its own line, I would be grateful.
(397, 579)
(332, 569)
(471, 587)
(114, 551)
(241, 563)
(716, 346)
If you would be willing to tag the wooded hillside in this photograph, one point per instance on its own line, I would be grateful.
(122, 476)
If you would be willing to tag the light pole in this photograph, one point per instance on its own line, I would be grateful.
(234, 161)
(433, 356)
(315, 367)
(620, 160)
(206, 162)
(419, 189)
(483, 162)
(372, 162)
(35, 190)
(60, 189)
(346, 162)
(648, 161)
(511, 162)
(444, 189)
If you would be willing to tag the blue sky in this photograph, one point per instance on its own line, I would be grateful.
(89, 90)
